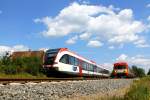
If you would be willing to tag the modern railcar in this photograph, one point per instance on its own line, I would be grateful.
(122, 70)
(64, 62)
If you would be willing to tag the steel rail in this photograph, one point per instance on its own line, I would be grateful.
(6, 81)
(37, 80)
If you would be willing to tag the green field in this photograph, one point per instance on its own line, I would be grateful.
(22, 75)
(139, 90)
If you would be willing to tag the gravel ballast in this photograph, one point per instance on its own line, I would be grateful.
(57, 90)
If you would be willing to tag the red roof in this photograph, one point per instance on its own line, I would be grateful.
(120, 63)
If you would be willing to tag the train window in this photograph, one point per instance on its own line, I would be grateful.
(64, 59)
(84, 67)
(71, 60)
(76, 62)
(90, 67)
(87, 66)
(49, 58)
(105, 71)
(100, 70)
(95, 68)
(120, 67)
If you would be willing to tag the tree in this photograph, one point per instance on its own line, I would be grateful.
(148, 72)
(30, 65)
(139, 72)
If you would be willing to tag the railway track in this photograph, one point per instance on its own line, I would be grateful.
(6, 81)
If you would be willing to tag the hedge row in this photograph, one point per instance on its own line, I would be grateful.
(31, 65)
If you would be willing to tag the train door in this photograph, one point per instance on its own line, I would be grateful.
(127, 70)
(80, 68)
(94, 69)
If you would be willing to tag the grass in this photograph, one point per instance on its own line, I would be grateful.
(139, 90)
(21, 75)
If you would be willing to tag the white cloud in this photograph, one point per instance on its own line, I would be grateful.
(72, 40)
(141, 43)
(138, 60)
(109, 24)
(148, 18)
(20, 48)
(111, 47)
(43, 49)
(4, 49)
(122, 57)
(84, 1)
(85, 36)
(148, 5)
(94, 43)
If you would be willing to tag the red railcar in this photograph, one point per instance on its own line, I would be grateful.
(121, 69)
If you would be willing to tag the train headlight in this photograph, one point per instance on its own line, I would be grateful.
(125, 71)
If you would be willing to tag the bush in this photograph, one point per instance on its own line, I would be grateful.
(31, 65)
(139, 72)
(10, 69)
(148, 72)
(5, 60)
(2, 67)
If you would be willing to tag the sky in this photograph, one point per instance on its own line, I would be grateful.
(105, 31)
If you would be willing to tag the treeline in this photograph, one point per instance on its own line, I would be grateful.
(139, 72)
(30, 65)
(148, 72)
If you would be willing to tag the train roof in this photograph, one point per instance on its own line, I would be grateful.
(120, 63)
(102, 66)
(66, 49)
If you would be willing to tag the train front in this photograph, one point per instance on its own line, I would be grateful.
(49, 59)
(120, 69)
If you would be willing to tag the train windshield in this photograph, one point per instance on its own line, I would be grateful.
(120, 67)
(105, 71)
(50, 56)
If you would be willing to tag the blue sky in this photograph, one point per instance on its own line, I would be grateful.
(105, 31)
